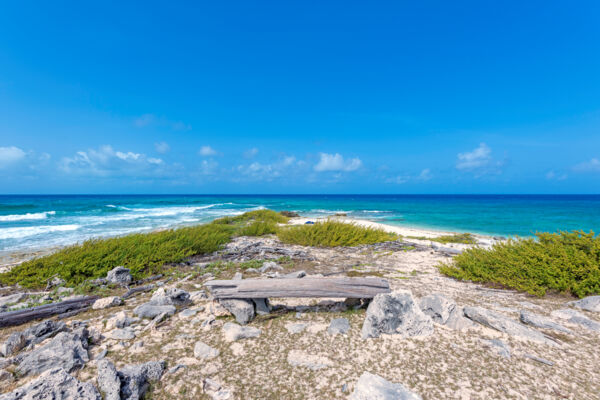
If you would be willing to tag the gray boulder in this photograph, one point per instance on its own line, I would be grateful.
(395, 313)
(54, 384)
(12, 298)
(294, 275)
(119, 275)
(106, 302)
(40, 332)
(108, 380)
(539, 321)
(170, 296)
(576, 318)
(130, 383)
(122, 334)
(149, 310)
(13, 344)
(243, 310)
(233, 332)
(374, 387)
(444, 311)
(270, 265)
(504, 324)
(135, 379)
(338, 326)
(67, 351)
(590, 303)
(204, 351)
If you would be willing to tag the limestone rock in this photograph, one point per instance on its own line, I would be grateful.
(504, 324)
(120, 320)
(43, 330)
(148, 310)
(374, 387)
(204, 351)
(170, 296)
(395, 313)
(444, 311)
(108, 380)
(313, 362)
(243, 310)
(539, 321)
(119, 275)
(577, 318)
(590, 303)
(270, 265)
(135, 379)
(122, 334)
(13, 344)
(296, 328)
(54, 384)
(338, 326)
(129, 383)
(12, 298)
(106, 302)
(67, 351)
(233, 332)
(294, 275)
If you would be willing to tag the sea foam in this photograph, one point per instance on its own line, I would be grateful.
(25, 217)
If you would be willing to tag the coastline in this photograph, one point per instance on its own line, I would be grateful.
(418, 235)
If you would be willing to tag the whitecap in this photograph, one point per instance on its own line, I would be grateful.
(17, 233)
(25, 217)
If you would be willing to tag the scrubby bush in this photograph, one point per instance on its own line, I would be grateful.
(464, 238)
(565, 262)
(144, 254)
(253, 216)
(331, 234)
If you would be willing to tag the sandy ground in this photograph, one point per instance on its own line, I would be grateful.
(446, 365)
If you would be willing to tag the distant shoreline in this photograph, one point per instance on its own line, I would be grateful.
(9, 258)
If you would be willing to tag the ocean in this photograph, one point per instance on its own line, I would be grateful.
(36, 222)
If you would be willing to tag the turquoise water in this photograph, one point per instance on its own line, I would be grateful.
(32, 222)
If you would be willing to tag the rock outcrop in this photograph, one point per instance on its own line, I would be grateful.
(233, 332)
(444, 311)
(590, 303)
(395, 313)
(131, 382)
(243, 310)
(119, 276)
(68, 350)
(540, 321)
(54, 384)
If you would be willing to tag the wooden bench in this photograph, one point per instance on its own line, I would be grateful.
(357, 288)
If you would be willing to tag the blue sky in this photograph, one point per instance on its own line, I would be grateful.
(300, 97)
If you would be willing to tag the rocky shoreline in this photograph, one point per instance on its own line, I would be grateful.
(431, 337)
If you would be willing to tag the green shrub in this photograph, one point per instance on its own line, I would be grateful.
(267, 216)
(257, 228)
(566, 262)
(331, 234)
(144, 254)
(465, 238)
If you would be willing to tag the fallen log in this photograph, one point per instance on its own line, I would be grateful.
(18, 317)
(139, 289)
(359, 288)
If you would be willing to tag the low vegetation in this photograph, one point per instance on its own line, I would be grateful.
(332, 233)
(565, 262)
(144, 254)
(464, 238)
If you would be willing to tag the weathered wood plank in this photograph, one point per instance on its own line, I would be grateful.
(18, 317)
(361, 288)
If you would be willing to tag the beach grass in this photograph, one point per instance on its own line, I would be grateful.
(564, 262)
(332, 234)
(464, 238)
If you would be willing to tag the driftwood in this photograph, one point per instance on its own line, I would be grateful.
(360, 288)
(18, 317)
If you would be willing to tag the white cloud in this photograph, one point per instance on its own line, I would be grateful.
(478, 158)
(251, 153)
(425, 175)
(289, 160)
(144, 120)
(10, 155)
(335, 162)
(399, 180)
(207, 151)
(589, 166)
(162, 147)
(554, 176)
(105, 161)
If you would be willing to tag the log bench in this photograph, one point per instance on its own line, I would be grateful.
(245, 296)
